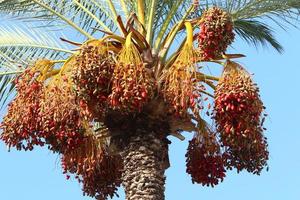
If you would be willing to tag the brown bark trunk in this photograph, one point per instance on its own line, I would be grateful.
(145, 161)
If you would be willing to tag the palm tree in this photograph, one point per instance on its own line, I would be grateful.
(108, 101)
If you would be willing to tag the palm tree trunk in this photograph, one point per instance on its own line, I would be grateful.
(145, 161)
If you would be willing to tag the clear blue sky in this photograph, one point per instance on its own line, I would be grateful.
(37, 175)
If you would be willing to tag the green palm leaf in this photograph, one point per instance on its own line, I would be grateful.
(255, 32)
(165, 13)
(7, 88)
(163, 20)
(20, 46)
(80, 15)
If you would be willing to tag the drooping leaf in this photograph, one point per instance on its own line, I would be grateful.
(255, 33)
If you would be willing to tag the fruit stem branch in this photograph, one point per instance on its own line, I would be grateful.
(207, 93)
(189, 30)
(141, 13)
(205, 77)
(210, 84)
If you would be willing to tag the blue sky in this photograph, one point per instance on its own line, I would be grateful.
(37, 175)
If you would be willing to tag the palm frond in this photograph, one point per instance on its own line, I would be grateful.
(8, 63)
(250, 9)
(22, 44)
(166, 14)
(255, 32)
(167, 21)
(164, 9)
(7, 88)
(288, 9)
(81, 15)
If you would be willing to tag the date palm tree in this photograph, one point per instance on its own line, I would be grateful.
(105, 82)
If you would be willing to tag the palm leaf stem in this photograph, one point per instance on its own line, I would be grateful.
(11, 72)
(141, 11)
(169, 40)
(124, 8)
(149, 36)
(166, 24)
(207, 77)
(209, 83)
(114, 12)
(37, 46)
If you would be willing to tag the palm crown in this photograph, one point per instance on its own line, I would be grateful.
(124, 85)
